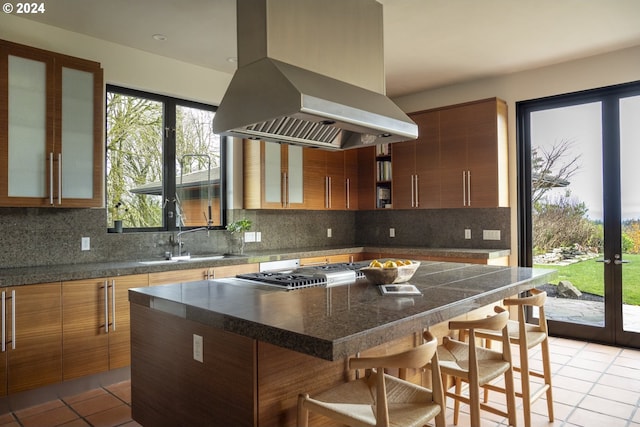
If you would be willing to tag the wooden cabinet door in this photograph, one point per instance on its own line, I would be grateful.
(119, 332)
(232, 270)
(427, 160)
(404, 170)
(351, 180)
(315, 178)
(78, 133)
(34, 353)
(26, 126)
(85, 319)
(366, 178)
(335, 181)
(179, 276)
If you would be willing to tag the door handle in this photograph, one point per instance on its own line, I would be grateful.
(606, 261)
(618, 260)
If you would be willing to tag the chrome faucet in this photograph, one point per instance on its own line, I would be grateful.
(179, 243)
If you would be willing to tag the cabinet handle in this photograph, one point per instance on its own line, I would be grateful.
(13, 319)
(59, 178)
(113, 304)
(464, 188)
(329, 192)
(106, 306)
(348, 189)
(51, 178)
(469, 187)
(4, 323)
(413, 193)
(417, 192)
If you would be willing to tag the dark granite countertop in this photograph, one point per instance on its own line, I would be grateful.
(62, 272)
(332, 323)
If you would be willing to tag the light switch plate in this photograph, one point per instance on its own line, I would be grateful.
(491, 234)
(329, 232)
(467, 233)
(197, 348)
(392, 232)
(85, 243)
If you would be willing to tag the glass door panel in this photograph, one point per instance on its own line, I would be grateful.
(27, 151)
(630, 196)
(567, 210)
(77, 134)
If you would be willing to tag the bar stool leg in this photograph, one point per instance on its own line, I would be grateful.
(546, 366)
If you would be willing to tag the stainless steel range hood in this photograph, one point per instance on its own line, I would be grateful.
(283, 89)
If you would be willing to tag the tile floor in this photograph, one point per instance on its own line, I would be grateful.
(594, 385)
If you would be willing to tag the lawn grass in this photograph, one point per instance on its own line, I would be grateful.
(588, 277)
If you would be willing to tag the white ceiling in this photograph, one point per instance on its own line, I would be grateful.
(428, 43)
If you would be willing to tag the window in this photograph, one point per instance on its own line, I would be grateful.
(164, 163)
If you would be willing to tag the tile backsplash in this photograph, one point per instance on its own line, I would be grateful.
(34, 236)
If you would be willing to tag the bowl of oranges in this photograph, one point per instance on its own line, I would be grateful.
(385, 272)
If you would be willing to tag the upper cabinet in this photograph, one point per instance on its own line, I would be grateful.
(473, 155)
(416, 180)
(273, 175)
(51, 115)
(331, 179)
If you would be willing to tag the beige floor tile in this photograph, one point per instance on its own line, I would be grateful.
(96, 404)
(111, 417)
(54, 417)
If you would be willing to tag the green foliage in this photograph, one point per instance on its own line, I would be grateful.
(564, 222)
(588, 276)
(239, 226)
(135, 131)
(631, 236)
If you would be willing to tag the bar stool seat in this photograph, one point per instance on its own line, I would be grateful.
(526, 336)
(477, 366)
(379, 399)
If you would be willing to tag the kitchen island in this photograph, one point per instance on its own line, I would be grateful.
(261, 346)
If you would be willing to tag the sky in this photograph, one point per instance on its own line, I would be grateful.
(582, 124)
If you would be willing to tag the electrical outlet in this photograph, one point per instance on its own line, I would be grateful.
(491, 234)
(85, 243)
(258, 236)
(249, 236)
(329, 232)
(392, 232)
(467, 233)
(197, 348)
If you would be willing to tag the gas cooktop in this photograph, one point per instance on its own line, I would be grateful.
(320, 275)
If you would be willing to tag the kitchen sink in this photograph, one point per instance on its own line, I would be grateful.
(183, 258)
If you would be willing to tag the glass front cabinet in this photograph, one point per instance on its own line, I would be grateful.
(51, 132)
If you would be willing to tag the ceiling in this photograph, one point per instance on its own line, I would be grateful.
(428, 43)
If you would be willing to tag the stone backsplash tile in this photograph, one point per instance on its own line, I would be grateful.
(34, 236)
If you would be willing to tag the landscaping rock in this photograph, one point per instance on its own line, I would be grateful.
(566, 289)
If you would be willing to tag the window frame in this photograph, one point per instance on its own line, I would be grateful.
(169, 108)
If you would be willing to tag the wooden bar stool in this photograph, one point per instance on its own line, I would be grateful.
(526, 336)
(379, 399)
(478, 366)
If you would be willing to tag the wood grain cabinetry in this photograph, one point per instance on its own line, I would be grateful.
(416, 181)
(31, 354)
(473, 155)
(330, 179)
(51, 115)
(197, 274)
(95, 333)
(273, 175)
(330, 259)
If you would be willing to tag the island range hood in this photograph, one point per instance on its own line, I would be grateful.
(311, 73)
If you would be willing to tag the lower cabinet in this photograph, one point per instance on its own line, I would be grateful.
(32, 350)
(196, 274)
(95, 318)
(330, 259)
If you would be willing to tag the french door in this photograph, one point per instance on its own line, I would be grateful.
(579, 208)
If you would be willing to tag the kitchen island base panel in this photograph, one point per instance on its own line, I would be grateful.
(171, 388)
(242, 381)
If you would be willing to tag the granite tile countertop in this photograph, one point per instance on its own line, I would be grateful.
(332, 323)
(62, 272)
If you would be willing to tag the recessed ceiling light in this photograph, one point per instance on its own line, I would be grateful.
(159, 37)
